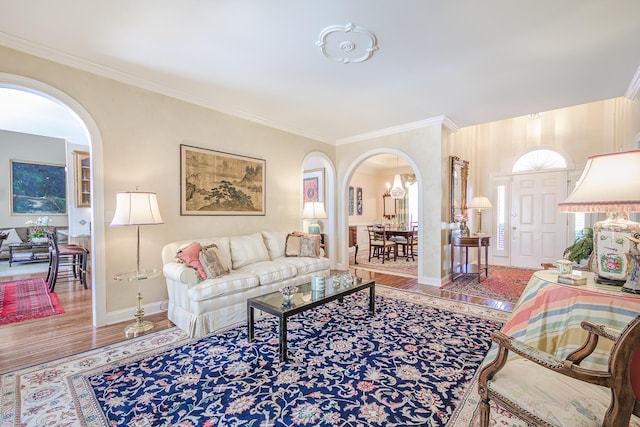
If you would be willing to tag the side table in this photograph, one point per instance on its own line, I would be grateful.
(478, 242)
(140, 326)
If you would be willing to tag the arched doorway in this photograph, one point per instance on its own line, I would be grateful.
(319, 162)
(378, 168)
(97, 194)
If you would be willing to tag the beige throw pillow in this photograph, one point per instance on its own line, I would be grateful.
(292, 246)
(213, 262)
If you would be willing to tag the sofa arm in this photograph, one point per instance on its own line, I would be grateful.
(179, 272)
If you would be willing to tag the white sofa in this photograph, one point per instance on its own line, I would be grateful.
(258, 265)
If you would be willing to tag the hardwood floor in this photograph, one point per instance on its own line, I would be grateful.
(36, 341)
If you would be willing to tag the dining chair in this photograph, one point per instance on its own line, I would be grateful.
(547, 391)
(67, 263)
(379, 244)
(407, 243)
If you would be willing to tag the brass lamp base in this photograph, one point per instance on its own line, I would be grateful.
(138, 328)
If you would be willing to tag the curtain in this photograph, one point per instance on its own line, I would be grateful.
(403, 203)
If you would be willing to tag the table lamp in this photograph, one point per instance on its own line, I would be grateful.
(314, 211)
(480, 203)
(137, 208)
(610, 183)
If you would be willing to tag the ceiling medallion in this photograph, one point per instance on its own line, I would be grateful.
(347, 43)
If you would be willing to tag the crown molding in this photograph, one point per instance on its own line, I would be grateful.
(634, 86)
(434, 121)
(66, 59)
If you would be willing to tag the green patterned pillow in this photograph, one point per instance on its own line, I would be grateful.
(309, 246)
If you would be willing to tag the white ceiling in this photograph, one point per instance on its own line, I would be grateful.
(471, 61)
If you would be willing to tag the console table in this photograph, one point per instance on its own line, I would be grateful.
(548, 317)
(478, 242)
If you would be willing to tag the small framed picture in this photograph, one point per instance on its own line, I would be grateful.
(313, 185)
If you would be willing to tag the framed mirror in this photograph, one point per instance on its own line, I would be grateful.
(459, 173)
(389, 206)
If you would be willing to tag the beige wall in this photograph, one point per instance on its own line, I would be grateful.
(575, 132)
(141, 133)
(32, 148)
(421, 148)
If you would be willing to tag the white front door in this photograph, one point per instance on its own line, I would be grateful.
(538, 230)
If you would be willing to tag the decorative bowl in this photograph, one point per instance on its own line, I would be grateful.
(288, 291)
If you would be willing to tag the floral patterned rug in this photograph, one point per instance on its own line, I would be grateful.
(401, 266)
(503, 284)
(409, 364)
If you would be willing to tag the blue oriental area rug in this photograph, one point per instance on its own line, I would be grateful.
(408, 365)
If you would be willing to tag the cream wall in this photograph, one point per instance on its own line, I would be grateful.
(422, 149)
(576, 132)
(371, 182)
(141, 133)
(33, 148)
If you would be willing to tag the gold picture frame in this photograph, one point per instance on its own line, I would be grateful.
(217, 183)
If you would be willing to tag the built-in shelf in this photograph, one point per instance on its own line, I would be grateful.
(83, 179)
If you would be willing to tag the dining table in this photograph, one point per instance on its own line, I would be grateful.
(408, 233)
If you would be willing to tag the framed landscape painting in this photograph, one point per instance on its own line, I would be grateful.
(217, 183)
(38, 188)
(313, 185)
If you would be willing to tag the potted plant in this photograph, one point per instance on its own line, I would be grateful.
(38, 229)
(581, 248)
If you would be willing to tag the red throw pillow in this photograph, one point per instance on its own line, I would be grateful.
(191, 257)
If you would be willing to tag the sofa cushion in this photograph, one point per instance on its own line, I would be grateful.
(247, 250)
(12, 237)
(306, 265)
(226, 285)
(275, 242)
(270, 272)
(190, 255)
(212, 261)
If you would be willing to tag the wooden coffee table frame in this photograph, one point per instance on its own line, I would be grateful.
(273, 304)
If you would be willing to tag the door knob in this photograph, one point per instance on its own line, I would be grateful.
(514, 227)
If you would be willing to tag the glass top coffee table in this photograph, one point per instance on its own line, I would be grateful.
(305, 299)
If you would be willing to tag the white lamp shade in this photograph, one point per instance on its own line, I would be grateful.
(397, 192)
(314, 210)
(609, 183)
(136, 208)
(479, 202)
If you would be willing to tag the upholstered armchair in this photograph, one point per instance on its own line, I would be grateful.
(546, 391)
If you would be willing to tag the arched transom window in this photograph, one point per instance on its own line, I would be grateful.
(539, 160)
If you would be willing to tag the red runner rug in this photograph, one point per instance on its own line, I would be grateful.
(503, 284)
(27, 299)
